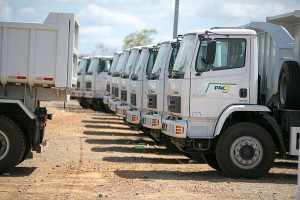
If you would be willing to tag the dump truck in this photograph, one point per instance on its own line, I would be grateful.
(95, 81)
(115, 101)
(234, 98)
(156, 93)
(108, 93)
(125, 86)
(139, 85)
(38, 62)
(77, 93)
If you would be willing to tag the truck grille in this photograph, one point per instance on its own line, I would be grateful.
(88, 84)
(115, 91)
(152, 101)
(174, 104)
(107, 87)
(123, 95)
(133, 99)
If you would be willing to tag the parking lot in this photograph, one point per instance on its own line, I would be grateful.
(92, 152)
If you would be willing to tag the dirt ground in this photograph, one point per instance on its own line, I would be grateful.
(91, 152)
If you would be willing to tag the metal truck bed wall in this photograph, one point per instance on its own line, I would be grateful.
(291, 22)
(40, 54)
(275, 46)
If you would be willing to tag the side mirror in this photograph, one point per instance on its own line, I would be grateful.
(211, 52)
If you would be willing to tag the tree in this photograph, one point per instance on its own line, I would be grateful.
(139, 38)
(102, 49)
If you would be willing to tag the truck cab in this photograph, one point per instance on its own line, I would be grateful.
(95, 81)
(126, 81)
(114, 102)
(139, 84)
(224, 95)
(108, 93)
(156, 90)
(77, 93)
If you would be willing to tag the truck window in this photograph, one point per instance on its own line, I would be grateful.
(230, 53)
(172, 59)
(201, 57)
(106, 65)
(151, 61)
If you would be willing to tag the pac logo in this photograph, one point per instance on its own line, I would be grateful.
(223, 88)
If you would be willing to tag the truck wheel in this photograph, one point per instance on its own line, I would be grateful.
(12, 144)
(211, 160)
(289, 86)
(106, 108)
(28, 147)
(96, 105)
(84, 103)
(245, 150)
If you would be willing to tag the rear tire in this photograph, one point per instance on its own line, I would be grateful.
(245, 150)
(289, 86)
(12, 144)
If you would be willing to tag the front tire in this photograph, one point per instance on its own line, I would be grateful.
(245, 150)
(12, 144)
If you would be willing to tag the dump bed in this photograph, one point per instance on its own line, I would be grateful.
(40, 54)
(275, 46)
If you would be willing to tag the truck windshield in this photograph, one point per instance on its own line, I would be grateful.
(122, 62)
(184, 53)
(130, 62)
(93, 65)
(114, 63)
(141, 62)
(83, 64)
(103, 66)
(161, 58)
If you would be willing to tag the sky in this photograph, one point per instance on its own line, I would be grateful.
(108, 22)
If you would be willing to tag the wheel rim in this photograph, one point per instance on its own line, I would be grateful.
(246, 152)
(283, 88)
(4, 145)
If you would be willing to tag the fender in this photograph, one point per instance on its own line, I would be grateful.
(234, 108)
(30, 114)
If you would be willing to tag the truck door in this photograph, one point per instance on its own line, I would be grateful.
(226, 82)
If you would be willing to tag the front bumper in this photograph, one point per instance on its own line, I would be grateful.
(76, 93)
(152, 121)
(133, 116)
(174, 128)
(106, 99)
(113, 104)
(122, 110)
(88, 94)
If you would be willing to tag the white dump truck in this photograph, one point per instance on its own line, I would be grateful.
(156, 89)
(139, 85)
(38, 62)
(234, 97)
(108, 93)
(114, 102)
(125, 88)
(95, 81)
(77, 93)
